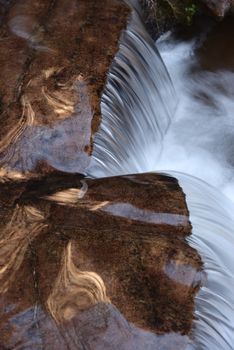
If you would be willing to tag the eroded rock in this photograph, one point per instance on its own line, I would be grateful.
(54, 57)
(96, 264)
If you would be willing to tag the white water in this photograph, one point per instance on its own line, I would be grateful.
(124, 140)
(211, 215)
(200, 139)
(197, 144)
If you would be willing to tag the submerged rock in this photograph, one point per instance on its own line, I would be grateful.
(96, 264)
(54, 57)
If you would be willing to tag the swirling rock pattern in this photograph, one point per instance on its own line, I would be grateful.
(96, 264)
(54, 57)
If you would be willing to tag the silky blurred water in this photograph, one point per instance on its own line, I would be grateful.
(135, 87)
(200, 139)
(211, 215)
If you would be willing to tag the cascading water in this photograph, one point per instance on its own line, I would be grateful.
(124, 140)
(211, 214)
(135, 137)
(200, 139)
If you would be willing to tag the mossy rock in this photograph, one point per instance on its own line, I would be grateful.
(162, 15)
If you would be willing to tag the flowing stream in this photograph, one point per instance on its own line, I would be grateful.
(128, 107)
(67, 242)
(180, 123)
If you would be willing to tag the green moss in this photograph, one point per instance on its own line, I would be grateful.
(163, 14)
(183, 11)
(190, 12)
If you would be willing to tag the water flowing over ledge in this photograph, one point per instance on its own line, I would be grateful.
(137, 105)
(211, 215)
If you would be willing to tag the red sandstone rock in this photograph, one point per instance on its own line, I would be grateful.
(54, 57)
(80, 259)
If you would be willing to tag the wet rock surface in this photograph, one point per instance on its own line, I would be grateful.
(96, 264)
(216, 52)
(54, 57)
(219, 8)
(161, 16)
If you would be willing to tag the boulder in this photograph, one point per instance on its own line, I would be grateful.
(97, 264)
(54, 58)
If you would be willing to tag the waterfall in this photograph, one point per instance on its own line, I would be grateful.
(200, 139)
(211, 214)
(138, 134)
(137, 105)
